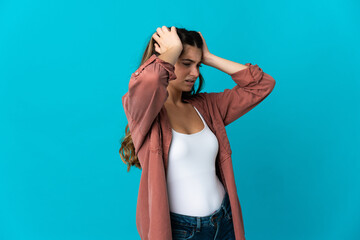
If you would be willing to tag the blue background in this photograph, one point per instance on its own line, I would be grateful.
(65, 65)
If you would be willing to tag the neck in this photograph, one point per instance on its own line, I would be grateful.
(174, 97)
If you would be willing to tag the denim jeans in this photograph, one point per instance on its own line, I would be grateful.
(218, 225)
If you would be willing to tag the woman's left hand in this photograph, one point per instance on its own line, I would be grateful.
(205, 50)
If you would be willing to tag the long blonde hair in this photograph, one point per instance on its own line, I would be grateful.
(192, 38)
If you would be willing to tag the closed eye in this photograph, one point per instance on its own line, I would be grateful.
(188, 64)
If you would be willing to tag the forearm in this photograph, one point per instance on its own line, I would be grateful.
(171, 55)
(224, 65)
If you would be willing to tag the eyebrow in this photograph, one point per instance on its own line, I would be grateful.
(187, 59)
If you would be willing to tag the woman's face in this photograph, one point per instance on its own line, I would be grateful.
(187, 68)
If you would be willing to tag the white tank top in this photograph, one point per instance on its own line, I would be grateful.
(193, 186)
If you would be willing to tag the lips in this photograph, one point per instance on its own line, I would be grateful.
(189, 82)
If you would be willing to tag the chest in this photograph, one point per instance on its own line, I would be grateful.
(186, 120)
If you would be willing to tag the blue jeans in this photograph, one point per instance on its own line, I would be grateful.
(218, 225)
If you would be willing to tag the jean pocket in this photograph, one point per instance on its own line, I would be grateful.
(181, 232)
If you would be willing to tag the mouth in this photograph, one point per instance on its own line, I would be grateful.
(190, 81)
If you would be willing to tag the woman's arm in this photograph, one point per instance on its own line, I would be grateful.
(146, 96)
(223, 65)
(148, 85)
(252, 86)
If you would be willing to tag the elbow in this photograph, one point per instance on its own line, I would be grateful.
(270, 82)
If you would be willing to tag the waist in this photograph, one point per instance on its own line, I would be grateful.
(195, 197)
(224, 211)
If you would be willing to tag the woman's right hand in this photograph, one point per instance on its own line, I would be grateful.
(166, 40)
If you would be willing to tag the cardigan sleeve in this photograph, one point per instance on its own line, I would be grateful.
(252, 87)
(146, 96)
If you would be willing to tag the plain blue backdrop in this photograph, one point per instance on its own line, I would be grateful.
(64, 66)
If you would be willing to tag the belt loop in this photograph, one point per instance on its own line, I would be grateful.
(198, 224)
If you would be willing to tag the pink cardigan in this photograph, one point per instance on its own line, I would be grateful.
(151, 134)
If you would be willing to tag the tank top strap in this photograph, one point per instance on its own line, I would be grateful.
(201, 117)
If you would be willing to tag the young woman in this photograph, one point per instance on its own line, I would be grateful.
(178, 138)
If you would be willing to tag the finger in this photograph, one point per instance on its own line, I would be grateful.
(202, 37)
(165, 28)
(157, 48)
(159, 31)
(156, 37)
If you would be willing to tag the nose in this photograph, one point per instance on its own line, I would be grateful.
(195, 72)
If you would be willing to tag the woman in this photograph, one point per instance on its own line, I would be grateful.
(178, 138)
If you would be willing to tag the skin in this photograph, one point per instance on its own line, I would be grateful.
(184, 69)
(168, 44)
(183, 117)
